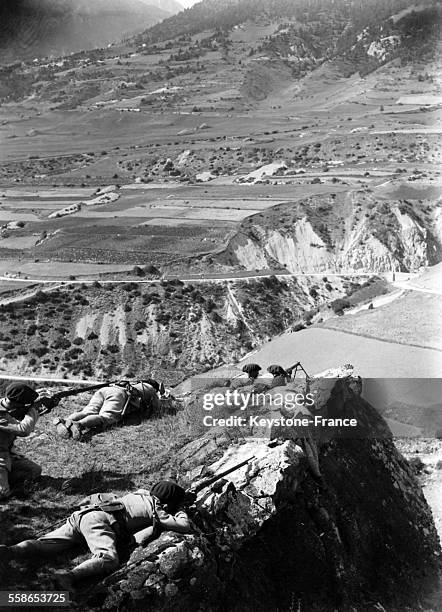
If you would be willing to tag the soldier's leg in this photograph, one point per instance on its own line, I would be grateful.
(94, 420)
(23, 470)
(93, 407)
(102, 541)
(52, 543)
(5, 491)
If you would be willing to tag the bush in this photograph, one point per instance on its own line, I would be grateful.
(139, 325)
(130, 286)
(113, 348)
(150, 269)
(138, 271)
(31, 330)
(61, 343)
(339, 305)
(40, 351)
(216, 318)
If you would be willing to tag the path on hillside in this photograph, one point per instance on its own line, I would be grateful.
(29, 294)
(197, 278)
(411, 287)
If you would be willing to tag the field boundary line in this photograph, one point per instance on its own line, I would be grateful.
(362, 335)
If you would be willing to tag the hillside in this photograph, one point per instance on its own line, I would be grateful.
(30, 30)
(169, 329)
(331, 233)
(169, 6)
(312, 31)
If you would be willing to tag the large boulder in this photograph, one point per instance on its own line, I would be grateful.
(271, 536)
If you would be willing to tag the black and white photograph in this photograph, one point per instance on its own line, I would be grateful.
(221, 305)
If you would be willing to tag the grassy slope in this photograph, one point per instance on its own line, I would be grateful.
(117, 460)
(413, 319)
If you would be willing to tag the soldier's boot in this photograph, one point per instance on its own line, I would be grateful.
(64, 581)
(75, 429)
(61, 428)
(5, 552)
(99, 566)
(5, 558)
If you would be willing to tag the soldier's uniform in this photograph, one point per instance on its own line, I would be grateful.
(14, 467)
(107, 405)
(101, 529)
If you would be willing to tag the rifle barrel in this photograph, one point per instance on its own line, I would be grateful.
(212, 479)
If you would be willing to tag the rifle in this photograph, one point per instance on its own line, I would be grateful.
(296, 366)
(192, 493)
(45, 404)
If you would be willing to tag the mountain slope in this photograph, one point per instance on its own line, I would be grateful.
(170, 6)
(170, 329)
(29, 30)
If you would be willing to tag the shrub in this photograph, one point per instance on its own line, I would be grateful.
(61, 343)
(31, 330)
(339, 305)
(138, 271)
(40, 351)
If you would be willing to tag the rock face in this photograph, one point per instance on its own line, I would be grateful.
(270, 536)
(405, 243)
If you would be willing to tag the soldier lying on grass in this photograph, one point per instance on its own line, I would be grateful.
(18, 417)
(109, 405)
(104, 523)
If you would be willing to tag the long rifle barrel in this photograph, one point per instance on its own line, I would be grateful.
(209, 481)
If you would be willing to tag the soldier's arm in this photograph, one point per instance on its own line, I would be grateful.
(143, 536)
(21, 428)
(178, 522)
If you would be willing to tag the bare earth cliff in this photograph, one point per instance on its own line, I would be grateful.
(268, 537)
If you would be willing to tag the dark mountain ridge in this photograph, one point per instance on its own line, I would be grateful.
(37, 29)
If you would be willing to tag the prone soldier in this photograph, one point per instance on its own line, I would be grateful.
(102, 522)
(108, 406)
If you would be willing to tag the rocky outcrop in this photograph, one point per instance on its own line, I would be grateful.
(401, 241)
(270, 536)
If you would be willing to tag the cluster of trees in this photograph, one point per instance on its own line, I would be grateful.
(322, 15)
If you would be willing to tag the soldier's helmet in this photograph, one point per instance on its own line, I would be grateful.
(169, 493)
(20, 393)
(277, 370)
(252, 369)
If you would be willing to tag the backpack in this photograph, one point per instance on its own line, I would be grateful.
(108, 502)
(136, 402)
